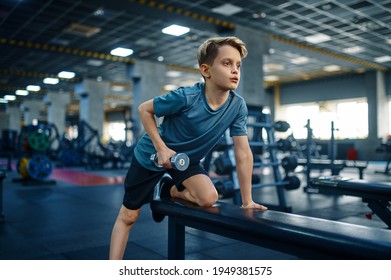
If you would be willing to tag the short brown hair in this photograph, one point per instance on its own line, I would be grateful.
(207, 52)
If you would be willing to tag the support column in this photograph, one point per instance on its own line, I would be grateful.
(14, 117)
(4, 120)
(251, 85)
(148, 80)
(382, 105)
(57, 103)
(32, 111)
(367, 146)
(92, 94)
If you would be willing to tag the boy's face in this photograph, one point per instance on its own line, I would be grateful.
(225, 71)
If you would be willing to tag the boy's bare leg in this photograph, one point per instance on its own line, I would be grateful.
(199, 189)
(120, 234)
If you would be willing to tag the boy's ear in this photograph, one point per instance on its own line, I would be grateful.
(204, 69)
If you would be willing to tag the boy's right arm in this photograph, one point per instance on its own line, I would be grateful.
(147, 116)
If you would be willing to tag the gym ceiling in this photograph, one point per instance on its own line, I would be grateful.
(40, 38)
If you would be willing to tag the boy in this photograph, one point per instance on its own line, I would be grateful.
(195, 118)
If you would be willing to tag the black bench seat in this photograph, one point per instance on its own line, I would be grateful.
(376, 194)
(301, 236)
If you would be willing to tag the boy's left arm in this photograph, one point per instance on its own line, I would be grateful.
(244, 169)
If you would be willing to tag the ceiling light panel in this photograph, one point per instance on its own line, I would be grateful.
(300, 60)
(10, 97)
(95, 62)
(317, 38)
(382, 59)
(51, 81)
(227, 9)
(123, 52)
(352, 50)
(33, 88)
(332, 68)
(22, 92)
(270, 67)
(175, 30)
(66, 75)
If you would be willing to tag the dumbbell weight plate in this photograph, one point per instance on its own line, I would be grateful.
(179, 161)
(292, 182)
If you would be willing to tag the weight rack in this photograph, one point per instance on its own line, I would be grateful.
(265, 126)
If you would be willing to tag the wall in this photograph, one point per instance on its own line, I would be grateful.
(343, 87)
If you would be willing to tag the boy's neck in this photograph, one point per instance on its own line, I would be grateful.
(215, 97)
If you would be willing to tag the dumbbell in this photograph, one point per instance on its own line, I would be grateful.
(179, 161)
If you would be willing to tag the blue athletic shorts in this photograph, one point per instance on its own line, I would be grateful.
(140, 182)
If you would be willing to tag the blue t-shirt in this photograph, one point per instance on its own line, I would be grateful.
(190, 126)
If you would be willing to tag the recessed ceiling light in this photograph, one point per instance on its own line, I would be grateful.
(317, 38)
(300, 60)
(51, 81)
(66, 75)
(331, 68)
(175, 30)
(117, 88)
(22, 92)
(169, 87)
(95, 62)
(144, 42)
(271, 78)
(270, 67)
(121, 52)
(381, 59)
(160, 58)
(227, 9)
(33, 88)
(355, 49)
(173, 74)
(9, 97)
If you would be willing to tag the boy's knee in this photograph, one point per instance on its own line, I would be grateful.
(208, 199)
(128, 217)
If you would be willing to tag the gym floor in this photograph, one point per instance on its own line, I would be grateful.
(72, 219)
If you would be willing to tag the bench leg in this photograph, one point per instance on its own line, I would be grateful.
(176, 240)
(380, 208)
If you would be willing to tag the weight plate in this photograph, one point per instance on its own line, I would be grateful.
(39, 167)
(39, 141)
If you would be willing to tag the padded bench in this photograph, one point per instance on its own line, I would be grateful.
(376, 195)
(301, 236)
(2, 176)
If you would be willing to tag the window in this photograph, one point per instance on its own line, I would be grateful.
(350, 119)
(116, 131)
(297, 116)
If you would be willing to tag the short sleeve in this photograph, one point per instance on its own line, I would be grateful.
(169, 103)
(239, 126)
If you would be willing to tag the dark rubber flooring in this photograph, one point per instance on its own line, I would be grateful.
(64, 220)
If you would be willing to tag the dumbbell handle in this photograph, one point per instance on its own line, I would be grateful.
(179, 161)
